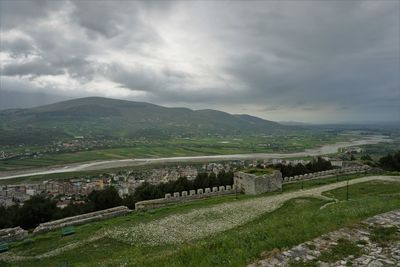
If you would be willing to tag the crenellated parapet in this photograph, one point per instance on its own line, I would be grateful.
(184, 196)
(327, 173)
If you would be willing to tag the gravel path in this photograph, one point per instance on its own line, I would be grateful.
(198, 223)
(203, 222)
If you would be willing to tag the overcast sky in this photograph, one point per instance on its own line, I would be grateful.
(310, 61)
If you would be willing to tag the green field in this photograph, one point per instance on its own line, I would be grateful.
(181, 147)
(298, 220)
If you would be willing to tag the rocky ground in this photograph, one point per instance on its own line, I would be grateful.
(373, 243)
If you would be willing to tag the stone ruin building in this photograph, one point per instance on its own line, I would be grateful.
(252, 184)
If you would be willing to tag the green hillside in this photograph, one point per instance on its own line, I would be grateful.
(206, 233)
(104, 117)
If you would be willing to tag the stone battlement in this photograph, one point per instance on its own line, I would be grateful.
(328, 173)
(82, 219)
(184, 196)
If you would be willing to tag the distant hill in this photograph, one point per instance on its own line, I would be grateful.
(295, 123)
(104, 117)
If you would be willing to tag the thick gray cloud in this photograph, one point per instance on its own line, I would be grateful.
(318, 61)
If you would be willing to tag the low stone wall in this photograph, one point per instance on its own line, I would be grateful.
(328, 173)
(184, 196)
(12, 234)
(82, 219)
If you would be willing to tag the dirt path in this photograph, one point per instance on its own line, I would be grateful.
(199, 223)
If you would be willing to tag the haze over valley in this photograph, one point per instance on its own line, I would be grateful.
(199, 133)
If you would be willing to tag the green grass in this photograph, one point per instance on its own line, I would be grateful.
(180, 147)
(368, 189)
(322, 181)
(258, 171)
(343, 249)
(295, 222)
(384, 235)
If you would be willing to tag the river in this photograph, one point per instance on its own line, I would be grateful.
(108, 164)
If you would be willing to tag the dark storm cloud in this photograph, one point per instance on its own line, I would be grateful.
(110, 18)
(18, 47)
(135, 78)
(22, 12)
(278, 58)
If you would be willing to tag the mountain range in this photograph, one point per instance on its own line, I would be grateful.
(105, 117)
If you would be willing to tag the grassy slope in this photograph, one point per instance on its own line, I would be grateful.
(97, 117)
(297, 221)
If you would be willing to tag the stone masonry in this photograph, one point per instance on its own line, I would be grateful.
(328, 173)
(252, 184)
(372, 252)
(12, 234)
(82, 219)
(177, 197)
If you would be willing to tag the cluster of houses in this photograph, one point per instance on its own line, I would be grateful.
(77, 144)
(77, 189)
(64, 191)
(126, 181)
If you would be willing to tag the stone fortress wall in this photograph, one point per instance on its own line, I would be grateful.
(82, 219)
(184, 196)
(252, 184)
(328, 173)
(273, 183)
(12, 234)
(246, 183)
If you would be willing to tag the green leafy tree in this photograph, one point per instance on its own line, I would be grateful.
(36, 210)
(201, 181)
(366, 157)
(390, 162)
(104, 199)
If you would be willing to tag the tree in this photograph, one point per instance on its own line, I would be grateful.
(9, 217)
(300, 169)
(129, 201)
(366, 157)
(225, 178)
(105, 199)
(146, 191)
(390, 162)
(182, 184)
(212, 178)
(201, 180)
(38, 209)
